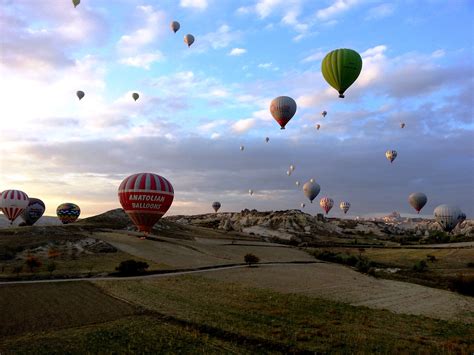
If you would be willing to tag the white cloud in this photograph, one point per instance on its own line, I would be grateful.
(380, 11)
(438, 53)
(314, 57)
(243, 125)
(266, 7)
(221, 38)
(336, 8)
(237, 51)
(142, 60)
(195, 4)
(268, 66)
(153, 24)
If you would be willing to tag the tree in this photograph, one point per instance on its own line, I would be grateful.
(51, 267)
(251, 259)
(33, 262)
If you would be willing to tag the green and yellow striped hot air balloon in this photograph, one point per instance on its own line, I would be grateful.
(341, 68)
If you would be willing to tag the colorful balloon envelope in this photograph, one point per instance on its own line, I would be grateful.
(145, 197)
(175, 26)
(391, 155)
(318, 126)
(189, 39)
(216, 205)
(68, 212)
(326, 204)
(76, 2)
(12, 203)
(311, 190)
(324, 113)
(341, 68)
(33, 212)
(283, 108)
(344, 206)
(417, 200)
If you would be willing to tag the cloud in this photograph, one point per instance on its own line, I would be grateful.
(243, 125)
(237, 51)
(268, 66)
(314, 57)
(381, 11)
(222, 38)
(195, 4)
(144, 60)
(335, 9)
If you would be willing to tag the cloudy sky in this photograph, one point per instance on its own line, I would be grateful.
(198, 105)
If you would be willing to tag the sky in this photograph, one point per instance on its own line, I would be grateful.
(198, 105)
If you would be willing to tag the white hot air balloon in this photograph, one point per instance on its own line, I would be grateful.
(447, 216)
(242, 148)
(292, 167)
(288, 172)
(311, 180)
(297, 183)
(250, 192)
(12, 203)
(303, 205)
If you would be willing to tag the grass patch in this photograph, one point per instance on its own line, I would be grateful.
(297, 322)
(39, 307)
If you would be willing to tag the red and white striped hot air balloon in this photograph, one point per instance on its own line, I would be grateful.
(12, 203)
(326, 204)
(145, 197)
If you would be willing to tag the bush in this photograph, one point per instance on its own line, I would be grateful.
(251, 259)
(470, 264)
(431, 258)
(363, 265)
(463, 284)
(132, 267)
(420, 266)
(33, 262)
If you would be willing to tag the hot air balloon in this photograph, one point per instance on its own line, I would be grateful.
(324, 113)
(189, 39)
(311, 190)
(216, 205)
(391, 155)
(242, 147)
(297, 183)
(250, 192)
(318, 126)
(462, 217)
(288, 172)
(292, 167)
(341, 68)
(344, 206)
(402, 125)
(135, 96)
(267, 139)
(417, 200)
(76, 2)
(303, 205)
(145, 197)
(80, 94)
(447, 216)
(175, 26)
(311, 180)
(33, 211)
(283, 108)
(326, 204)
(12, 203)
(68, 212)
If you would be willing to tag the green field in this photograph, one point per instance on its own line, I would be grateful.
(198, 315)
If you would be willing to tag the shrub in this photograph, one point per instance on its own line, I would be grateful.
(132, 267)
(470, 264)
(463, 284)
(431, 258)
(420, 266)
(363, 265)
(51, 266)
(251, 259)
(33, 262)
(17, 269)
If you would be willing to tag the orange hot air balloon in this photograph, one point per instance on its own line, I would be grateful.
(145, 197)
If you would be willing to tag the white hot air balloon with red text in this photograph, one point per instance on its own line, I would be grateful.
(145, 197)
